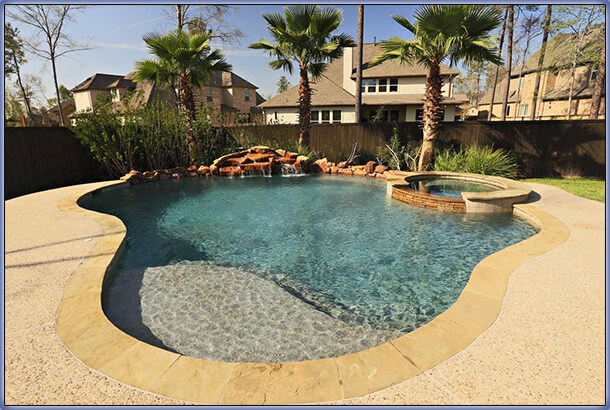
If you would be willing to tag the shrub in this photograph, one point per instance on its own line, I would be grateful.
(397, 156)
(477, 160)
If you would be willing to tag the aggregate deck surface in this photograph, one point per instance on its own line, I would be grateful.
(547, 345)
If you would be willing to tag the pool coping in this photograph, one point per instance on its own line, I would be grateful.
(95, 341)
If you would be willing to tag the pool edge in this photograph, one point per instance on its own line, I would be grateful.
(96, 342)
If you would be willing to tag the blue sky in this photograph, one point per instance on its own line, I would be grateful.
(115, 34)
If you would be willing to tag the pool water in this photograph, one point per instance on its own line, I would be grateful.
(286, 269)
(449, 187)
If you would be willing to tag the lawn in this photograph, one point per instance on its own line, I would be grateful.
(589, 188)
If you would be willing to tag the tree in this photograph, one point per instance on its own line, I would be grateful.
(14, 58)
(509, 59)
(441, 33)
(210, 19)
(181, 60)
(600, 83)
(497, 71)
(64, 95)
(49, 21)
(304, 35)
(545, 38)
(470, 83)
(282, 84)
(580, 20)
(359, 64)
(529, 29)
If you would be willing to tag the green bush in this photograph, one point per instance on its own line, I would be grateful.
(397, 156)
(147, 137)
(477, 160)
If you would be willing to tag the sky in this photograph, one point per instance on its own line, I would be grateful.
(114, 33)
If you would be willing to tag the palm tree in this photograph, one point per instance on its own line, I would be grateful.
(181, 62)
(304, 35)
(442, 32)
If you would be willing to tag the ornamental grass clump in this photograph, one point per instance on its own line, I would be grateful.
(477, 160)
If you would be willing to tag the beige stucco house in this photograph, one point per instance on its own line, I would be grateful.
(393, 89)
(553, 94)
(226, 94)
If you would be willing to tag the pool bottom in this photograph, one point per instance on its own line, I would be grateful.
(228, 314)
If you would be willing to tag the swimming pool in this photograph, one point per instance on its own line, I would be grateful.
(286, 269)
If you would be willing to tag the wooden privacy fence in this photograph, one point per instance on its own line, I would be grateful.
(39, 158)
(542, 148)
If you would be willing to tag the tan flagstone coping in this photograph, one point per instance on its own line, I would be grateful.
(95, 341)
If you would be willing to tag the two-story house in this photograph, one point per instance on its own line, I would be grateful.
(391, 91)
(554, 88)
(226, 93)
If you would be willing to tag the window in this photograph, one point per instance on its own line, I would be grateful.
(115, 94)
(521, 83)
(593, 73)
(393, 85)
(337, 116)
(419, 115)
(363, 86)
(247, 94)
(325, 117)
(394, 116)
(383, 85)
(523, 110)
(371, 85)
(208, 93)
(315, 117)
(507, 110)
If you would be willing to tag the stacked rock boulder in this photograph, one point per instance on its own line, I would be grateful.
(258, 158)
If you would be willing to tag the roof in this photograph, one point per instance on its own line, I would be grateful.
(229, 79)
(98, 82)
(564, 93)
(500, 90)
(64, 105)
(393, 68)
(324, 93)
(559, 48)
(259, 99)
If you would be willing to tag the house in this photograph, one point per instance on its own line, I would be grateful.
(554, 91)
(51, 116)
(226, 94)
(391, 91)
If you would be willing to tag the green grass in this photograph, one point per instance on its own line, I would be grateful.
(589, 188)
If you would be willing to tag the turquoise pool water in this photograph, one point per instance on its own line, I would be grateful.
(449, 187)
(284, 269)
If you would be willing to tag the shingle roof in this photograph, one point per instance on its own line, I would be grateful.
(390, 68)
(500, 90)
(226, 79)
(324, 93)
(559, 51)
(564, 93)
(98, 82)
(402, 99)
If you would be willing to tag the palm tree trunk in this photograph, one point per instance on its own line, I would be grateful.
(188, 104)
(545, 38)
(600, 82)
(304, 107)
(509, 60)
(26, 99)
(432, 106)
(359, 64)
(493, 89)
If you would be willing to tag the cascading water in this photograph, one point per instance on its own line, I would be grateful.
(290, 170)
(256, 173)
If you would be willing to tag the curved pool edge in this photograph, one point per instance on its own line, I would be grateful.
(96, 342)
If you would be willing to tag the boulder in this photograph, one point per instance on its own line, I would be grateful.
(257, 166)
(285, 160)
(291, 154)
(203, 170)
(193, 174)
(360, 172)
(134, 172)
(281, 152)
(380, 176)
(131, 178)
(177, 176)
(370, 167)
(164, 177)
(258, 157)
(371, 175)
(342, 164)
(231, 155)
(346, 171)
(192, 168)
(229, 171)
(380, 169)
(148, 174)
(334, 170)
(261, 149)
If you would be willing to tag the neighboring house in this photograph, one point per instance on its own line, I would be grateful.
(227, 94)
(391, 91)
(554, 88)
(51, 116)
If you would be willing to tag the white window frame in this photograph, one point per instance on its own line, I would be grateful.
(523, 109)
(338, 121)
(322, 116)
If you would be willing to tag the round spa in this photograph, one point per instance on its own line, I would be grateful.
(457, 192)
(282, 269)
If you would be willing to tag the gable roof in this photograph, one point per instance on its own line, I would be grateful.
(229, 79)
(98, 82)
(325, 92)
(559, 52)
(500, 90)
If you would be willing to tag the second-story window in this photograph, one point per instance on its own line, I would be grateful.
(593, 73)
(208, 94)
(247, 94)
(393, 85)
(371, 86)
(383, 85)
(114, 93)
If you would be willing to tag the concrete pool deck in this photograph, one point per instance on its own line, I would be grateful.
(547, 345)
